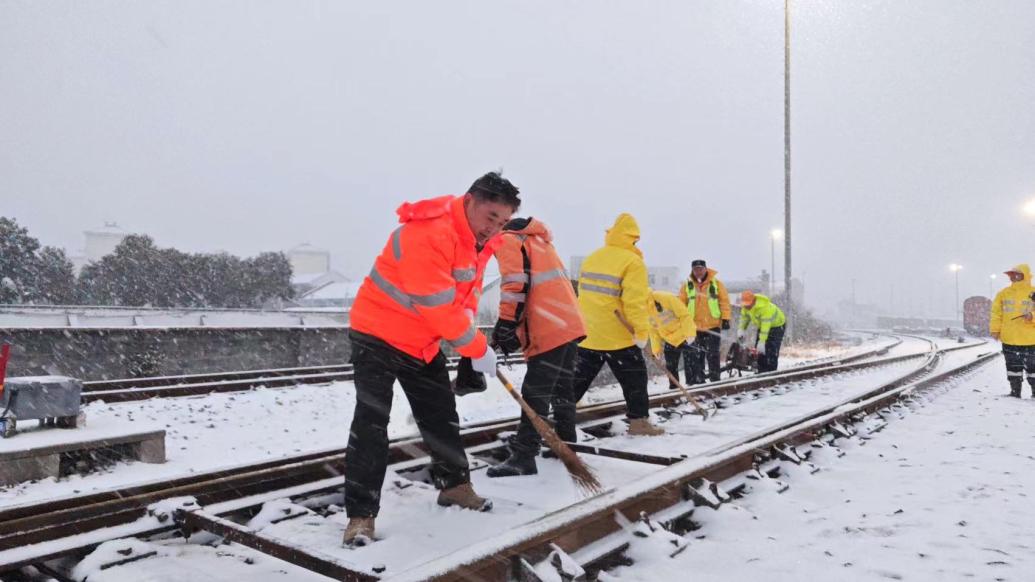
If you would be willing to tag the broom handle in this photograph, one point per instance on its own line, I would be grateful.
(671, 377)
(525, 406)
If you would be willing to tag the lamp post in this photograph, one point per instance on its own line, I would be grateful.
(787, 162)
(774, 235)
(956, 269)
(991, 285)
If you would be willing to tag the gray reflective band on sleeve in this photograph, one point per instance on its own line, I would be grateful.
(435, 299)
(548, 276)
(599, 289)
(397, 243)
(467, 337)
(465, 275)
(515, 297)
(390, 290)
(602, 277)
(515, 278)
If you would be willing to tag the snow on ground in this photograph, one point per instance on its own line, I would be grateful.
(941, 494)
(259, 425)
(414, 529)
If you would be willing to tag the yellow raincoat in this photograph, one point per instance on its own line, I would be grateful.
(670, 322)
(1008, 307)
(614, 278)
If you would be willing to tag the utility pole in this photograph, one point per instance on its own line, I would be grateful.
(787, 163)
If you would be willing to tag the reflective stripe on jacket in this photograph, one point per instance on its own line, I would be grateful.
(764, 315)
(425, 285)
(670, 322)
(614, 278)
(702, 299)
(541, 299)
(1008, 309)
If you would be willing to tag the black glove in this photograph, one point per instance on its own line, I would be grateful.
(467, 380)
(505, 336)
(725, 324)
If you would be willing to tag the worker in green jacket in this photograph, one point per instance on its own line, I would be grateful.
(760, 311)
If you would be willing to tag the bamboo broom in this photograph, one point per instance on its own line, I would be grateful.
(580, 472)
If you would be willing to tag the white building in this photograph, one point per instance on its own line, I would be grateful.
(308, 260)
(97, 243)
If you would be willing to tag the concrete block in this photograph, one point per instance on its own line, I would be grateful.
(14, 470)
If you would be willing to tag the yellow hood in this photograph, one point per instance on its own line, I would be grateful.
(1023, 269)
(624, 233)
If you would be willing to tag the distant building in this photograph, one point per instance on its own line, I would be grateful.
(98, 243)
(307, 260)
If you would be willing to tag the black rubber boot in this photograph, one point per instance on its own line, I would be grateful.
(519, 463)
(1015, 389)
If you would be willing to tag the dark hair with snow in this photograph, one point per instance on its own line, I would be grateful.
(493, 187)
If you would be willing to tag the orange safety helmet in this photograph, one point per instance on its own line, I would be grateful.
(747, 297)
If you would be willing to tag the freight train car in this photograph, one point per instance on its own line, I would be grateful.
(975, 315)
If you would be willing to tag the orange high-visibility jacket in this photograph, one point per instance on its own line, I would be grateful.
(426, 283)
(540, 298)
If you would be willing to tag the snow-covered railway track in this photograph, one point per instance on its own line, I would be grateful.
(72, 526)
(131, 389)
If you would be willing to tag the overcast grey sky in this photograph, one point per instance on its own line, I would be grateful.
(250, 125)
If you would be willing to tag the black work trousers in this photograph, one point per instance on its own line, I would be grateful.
(675, 354)
(630, 369)
(771, 359)
(377, 366)
(1019, 359)
(706, 350)
(548, 381)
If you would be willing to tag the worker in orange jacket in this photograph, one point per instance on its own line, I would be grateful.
(423, 288)
(539, 315)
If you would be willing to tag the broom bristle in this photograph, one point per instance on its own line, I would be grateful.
(581, 473)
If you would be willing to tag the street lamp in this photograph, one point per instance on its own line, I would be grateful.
(1029, 208)
(956, 269)
(991, 285)
(774, 235)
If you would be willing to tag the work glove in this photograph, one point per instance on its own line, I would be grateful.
(995, 336)
(725, 324)
(640, 343)
(487, 363)
(761, 349)
(467, 380)
(505, 336)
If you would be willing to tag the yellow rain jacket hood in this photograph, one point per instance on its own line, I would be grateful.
(670, 322)
(1008, 309)
(614, 278)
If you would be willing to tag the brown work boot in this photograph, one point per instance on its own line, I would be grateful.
(359, 532)
(643, 427)
(463, 496)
